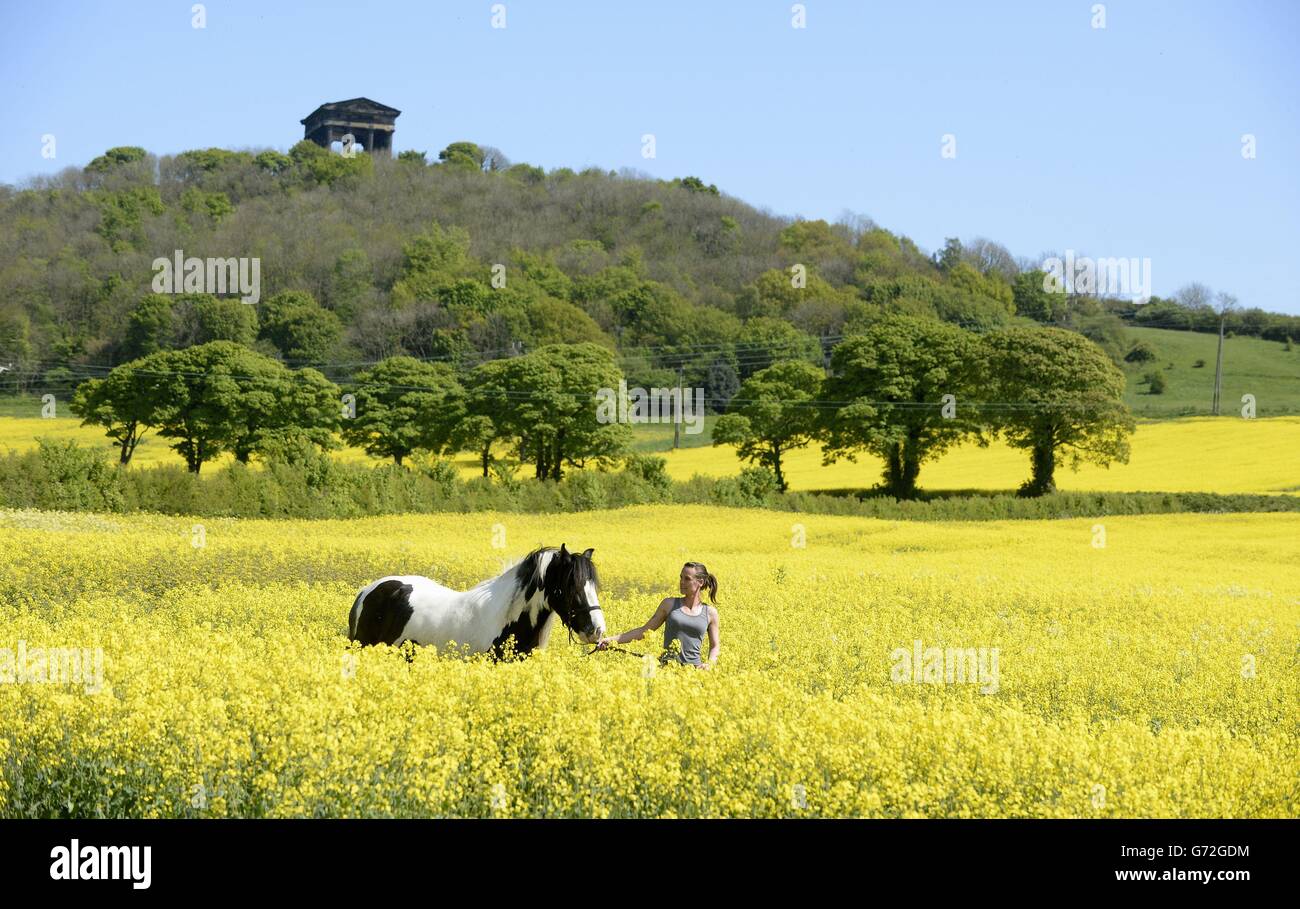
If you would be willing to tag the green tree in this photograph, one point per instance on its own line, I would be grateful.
(15, 343)
(1068, 396)
(548, 403)
(696, 185)
(772, 414)
(432, 262)
(773, 294)
(463, 155)
(322, 166)
(476, 432)
(527, 174)
(192, 165)
(115, 157)
(889, 385)
(308, 410)
(951, 254)
(121, 402)
(349, 283)
(1140, 352)
(215, 398)
(554, 321)
(273, 162)
(279, 408)
(489, 409)
(404, 405)
(122, 215)
(299, 328)
(224, 319)
(721, 383)
(991, 286)
(764, 341)
(1032, 301)
(814, 241)
(215, 206)
(149, 328)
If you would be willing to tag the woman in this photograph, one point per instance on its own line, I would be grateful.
(684, 618)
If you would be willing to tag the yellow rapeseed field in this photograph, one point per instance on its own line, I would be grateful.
(1196, 454)
(1225, 454)
(1129, 666)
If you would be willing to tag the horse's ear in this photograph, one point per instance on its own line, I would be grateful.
(564, 552)
(587, 554)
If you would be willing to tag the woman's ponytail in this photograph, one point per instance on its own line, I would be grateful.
(700, 573)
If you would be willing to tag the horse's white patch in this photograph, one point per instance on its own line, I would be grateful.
(597, 617)
(356, 611)
(545, 634)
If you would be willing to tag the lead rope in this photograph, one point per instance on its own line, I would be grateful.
(619, 649)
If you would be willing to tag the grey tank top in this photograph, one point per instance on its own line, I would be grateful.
(689, 630)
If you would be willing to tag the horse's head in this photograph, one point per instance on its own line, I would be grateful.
(571, 585)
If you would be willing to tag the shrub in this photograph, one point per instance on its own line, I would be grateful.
(585, 490)
(503, 475)
(61, 476)
(443, 474)
(1140, 352)
(651, 469)
(753, 486)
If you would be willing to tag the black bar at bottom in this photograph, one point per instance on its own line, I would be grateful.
(213, 858)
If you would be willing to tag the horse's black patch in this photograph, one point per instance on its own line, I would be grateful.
(526, 575)
(527, 637)
(384, 613)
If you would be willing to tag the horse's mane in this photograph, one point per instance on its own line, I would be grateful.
(581, 569)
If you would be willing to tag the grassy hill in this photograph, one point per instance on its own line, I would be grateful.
(1264, 369)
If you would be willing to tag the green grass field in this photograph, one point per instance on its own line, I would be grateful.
(1250, 366)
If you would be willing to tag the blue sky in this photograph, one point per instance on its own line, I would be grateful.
(1122, 141)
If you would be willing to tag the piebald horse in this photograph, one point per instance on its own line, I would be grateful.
(523, 601)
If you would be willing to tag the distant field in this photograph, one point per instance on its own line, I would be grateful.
(1250, 366)
(1226, 454)
(1196, 454)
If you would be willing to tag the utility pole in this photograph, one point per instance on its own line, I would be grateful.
(1218, 365)
(1227, 303)
(677, 415)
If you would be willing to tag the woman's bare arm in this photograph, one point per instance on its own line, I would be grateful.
(636, 634)
(715, 639)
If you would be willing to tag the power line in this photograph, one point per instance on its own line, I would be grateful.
(523, 395)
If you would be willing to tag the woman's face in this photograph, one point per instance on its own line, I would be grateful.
(687, 583)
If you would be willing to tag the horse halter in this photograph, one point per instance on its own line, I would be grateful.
(569, 628)
(566, 615)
